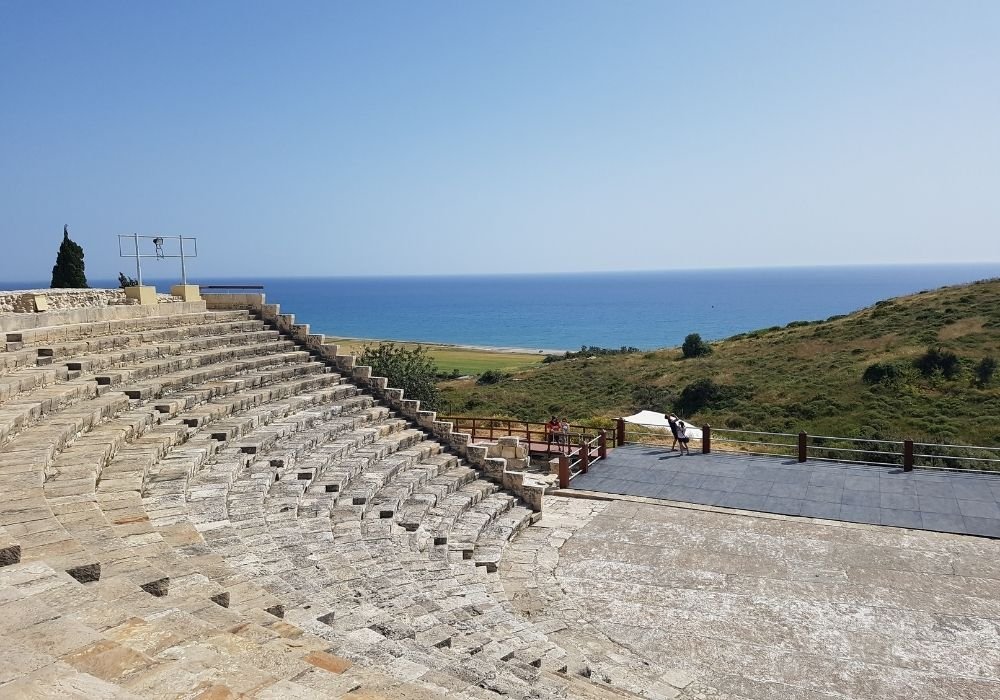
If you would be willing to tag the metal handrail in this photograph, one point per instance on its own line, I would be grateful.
(957, 447)
(750, 432)
(850, 439)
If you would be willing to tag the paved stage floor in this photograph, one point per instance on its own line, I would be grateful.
(726, 606)
(942, 501)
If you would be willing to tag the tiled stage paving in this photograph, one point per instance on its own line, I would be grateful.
(944, 501)
(768, 607)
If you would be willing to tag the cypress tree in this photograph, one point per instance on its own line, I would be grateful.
(68, 270)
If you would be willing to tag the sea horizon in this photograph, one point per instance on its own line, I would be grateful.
(563, 311)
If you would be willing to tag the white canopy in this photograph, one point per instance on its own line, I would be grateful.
(658, 420)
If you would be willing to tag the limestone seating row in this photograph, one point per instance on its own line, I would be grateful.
(108, 322)
(240, 510)
(62, 638)
(24, 380)
(258, 531)
(31, 405)
(23, 412)
(175, 581)
(44, 354)
(111, 436)
(37, 454)
(383, 460)
(171, 438)
(27, 379)
(490, 487)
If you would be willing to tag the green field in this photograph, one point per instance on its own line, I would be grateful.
(807, 375)
(468, 361)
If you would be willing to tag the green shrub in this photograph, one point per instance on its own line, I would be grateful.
(884, 372)
(413, 371)
(492, 376)
(694, 346)
(985, 370)
(938, 360)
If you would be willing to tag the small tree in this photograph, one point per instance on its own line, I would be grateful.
(413, 371)
(694, 346)
(68, 272)
(985, 369)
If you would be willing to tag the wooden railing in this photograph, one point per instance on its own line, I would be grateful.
(536, 434)
(579, 462)
(802, 447)
(585, 445)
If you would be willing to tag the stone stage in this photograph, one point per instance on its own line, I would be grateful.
(943, 501)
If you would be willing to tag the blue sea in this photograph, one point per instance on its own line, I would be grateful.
(565, 311)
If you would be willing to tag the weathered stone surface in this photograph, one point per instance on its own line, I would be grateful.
(731, 605)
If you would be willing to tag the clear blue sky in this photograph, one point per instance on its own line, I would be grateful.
(331, 138)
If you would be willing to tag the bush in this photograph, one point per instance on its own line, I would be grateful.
(492, 376)
(413, 371)
(68, 272)
(985, 369)
(884, 372)
(591, 351)
(705, 393)
(694, 346)
(938, 360)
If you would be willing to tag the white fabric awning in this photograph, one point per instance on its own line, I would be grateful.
(658, 420)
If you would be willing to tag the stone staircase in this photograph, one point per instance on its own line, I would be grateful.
(204, 503)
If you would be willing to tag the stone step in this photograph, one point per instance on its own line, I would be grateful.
(490, 544)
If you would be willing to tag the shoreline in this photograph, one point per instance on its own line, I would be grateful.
(456, 346)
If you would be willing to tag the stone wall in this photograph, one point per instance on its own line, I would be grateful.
(23, 300)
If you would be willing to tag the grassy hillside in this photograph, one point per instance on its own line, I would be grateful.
(804, 376)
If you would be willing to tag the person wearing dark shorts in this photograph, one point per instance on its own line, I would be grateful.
(682, 437)
(672, 422)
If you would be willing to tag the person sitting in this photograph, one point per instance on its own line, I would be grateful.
(552, 431)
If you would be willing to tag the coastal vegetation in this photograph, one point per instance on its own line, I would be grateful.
(454, 361)
(920, 366)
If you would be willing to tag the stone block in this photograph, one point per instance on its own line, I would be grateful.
(40, 302)
(187, 292)
(144, 295)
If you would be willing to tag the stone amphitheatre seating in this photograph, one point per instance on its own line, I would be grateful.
(209, 503)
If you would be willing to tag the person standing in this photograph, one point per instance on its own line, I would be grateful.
(672, 422)
(682, 437)
(564, 429)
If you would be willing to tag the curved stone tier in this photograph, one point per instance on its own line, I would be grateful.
(195, 504)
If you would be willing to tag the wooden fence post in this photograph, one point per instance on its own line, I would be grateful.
(602, 446)
(907, 455)
(585, 456)
(563, 470)
(803, 441)
(706, 439)
(620, 433)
